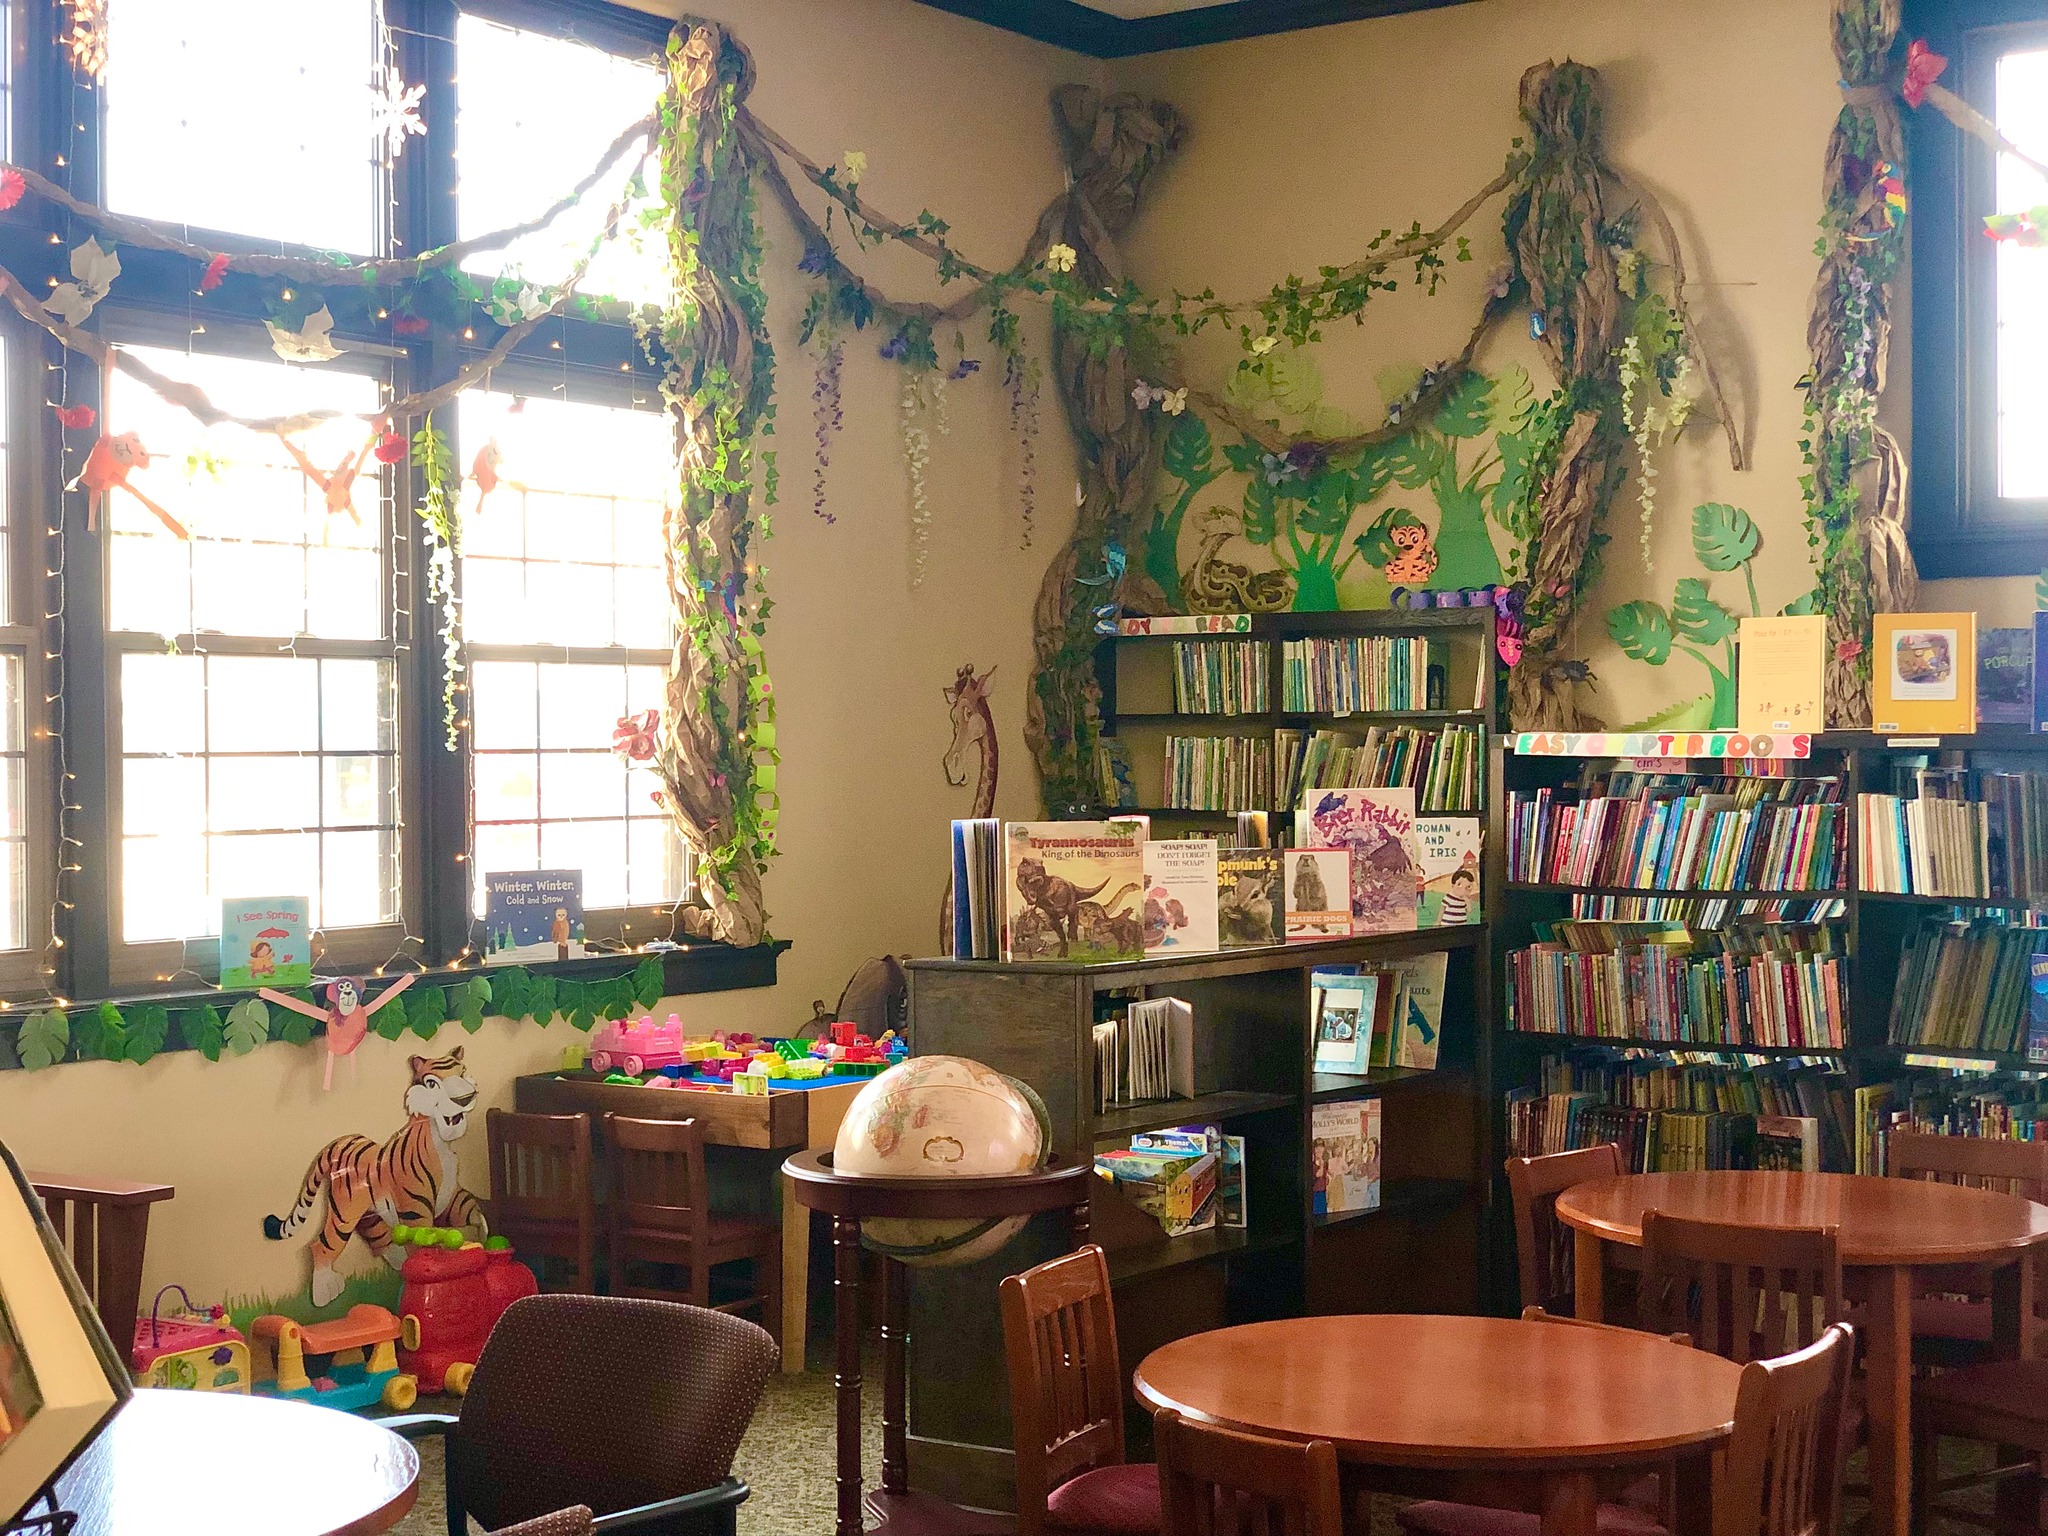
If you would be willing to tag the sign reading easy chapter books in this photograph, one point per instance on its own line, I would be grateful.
(532, 914)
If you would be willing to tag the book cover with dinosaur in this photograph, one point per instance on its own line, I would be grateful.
(1074, 890)
(1378, 826)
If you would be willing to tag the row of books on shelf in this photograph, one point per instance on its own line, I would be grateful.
(1217, 773)
(1220, 677)
(1680, 1111)
(1976, 986)
(1709, 911)
(1353, 674)
(1441, 763)
(1101, 891)
(1956, 832)
(1690, 831)
(1776, 985)
(1385, 1015)
(1188, 1178)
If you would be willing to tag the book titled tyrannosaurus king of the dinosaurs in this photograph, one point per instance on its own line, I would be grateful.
(1074, 890)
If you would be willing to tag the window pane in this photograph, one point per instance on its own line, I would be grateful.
(13, 832)
(2022, 110)
(574, 527)
(265, 555)
(250, 774)
(247, 116)
(535, 114)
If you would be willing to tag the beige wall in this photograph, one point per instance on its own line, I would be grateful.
(952, 116)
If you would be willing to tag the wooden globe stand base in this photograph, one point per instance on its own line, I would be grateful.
(849, 1200)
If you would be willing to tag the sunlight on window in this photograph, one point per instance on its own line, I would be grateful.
(246, 116)
(536, 112)
(2022, 105)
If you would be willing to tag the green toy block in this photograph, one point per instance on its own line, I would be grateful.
(792, 1050)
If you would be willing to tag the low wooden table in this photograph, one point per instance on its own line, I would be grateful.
(850, 1199)
(1886, 1227)
(1539, 1417)
(239, 1466)
(783, 1119)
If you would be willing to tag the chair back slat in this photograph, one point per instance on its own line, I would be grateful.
(1543, 1244)
(1745, 1293)
(1066, 1382)
(540, 1166)
(1782, 1472)
(1982, 1162)
(659, 1181)
(1217, 1482)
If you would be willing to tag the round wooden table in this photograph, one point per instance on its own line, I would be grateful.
(239, 1466)
(1541, 1417)
(1886, 1227)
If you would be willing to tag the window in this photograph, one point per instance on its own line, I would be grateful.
(1979, 311)
(242, 690)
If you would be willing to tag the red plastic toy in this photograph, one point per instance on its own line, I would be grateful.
(453, 1298)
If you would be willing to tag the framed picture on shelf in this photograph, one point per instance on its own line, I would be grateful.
(61, 1378)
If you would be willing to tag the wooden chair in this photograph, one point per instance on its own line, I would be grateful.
(1067, 1403)
(1952, 1312)
(540, 1189)
(104, 1227)
(1543, 1244)
(1745, 1293)
(2003, 1403)
(1216, 1482)
(658, 1212)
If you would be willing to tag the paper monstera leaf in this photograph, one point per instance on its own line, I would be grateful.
(309, 343)
(94, 268)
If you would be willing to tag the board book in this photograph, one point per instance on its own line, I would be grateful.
(1074, 890)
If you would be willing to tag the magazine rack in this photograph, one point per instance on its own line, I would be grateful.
(849, 1200)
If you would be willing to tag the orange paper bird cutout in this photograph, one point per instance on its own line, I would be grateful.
(337, 485)
(107, 467)
(484, 470)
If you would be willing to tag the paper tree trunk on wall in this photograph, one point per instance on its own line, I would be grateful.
(1859, 473)
(1112, 146)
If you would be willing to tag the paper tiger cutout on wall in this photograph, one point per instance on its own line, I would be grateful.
(410, 1180)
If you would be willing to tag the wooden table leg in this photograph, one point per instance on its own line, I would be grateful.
(1889, 1387)
(1694, 1500)
(1570, 1506)
(895, 1324)
(1078, 1216)
(2018, 1498)
(1589, 1277)
(846, 1378)
(795, 1321)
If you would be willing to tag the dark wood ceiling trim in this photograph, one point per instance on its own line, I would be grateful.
(1086, 30)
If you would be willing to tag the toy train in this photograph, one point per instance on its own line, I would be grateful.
(664, 1054)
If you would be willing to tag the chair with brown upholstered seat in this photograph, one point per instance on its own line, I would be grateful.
(633, 1408)
(1543, 1244)
(1067, 1405)
(1216, 1482)
(658, 1212)
(541, 1196)
(1952, 1312)
(574, 1521)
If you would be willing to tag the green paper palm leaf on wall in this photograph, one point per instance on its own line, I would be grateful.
(1724, 538)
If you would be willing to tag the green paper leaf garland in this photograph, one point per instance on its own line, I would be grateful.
(248, 1025)
(203, 1031)
(650, 980)
(148, 1028)
(473, 998)
(44, 1038)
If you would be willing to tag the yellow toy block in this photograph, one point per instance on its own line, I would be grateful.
(750, 1083)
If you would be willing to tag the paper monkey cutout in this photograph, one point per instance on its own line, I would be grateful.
(347, 1015)
(337, 485)
(107, 468)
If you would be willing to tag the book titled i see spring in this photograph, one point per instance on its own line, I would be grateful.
(265, 941)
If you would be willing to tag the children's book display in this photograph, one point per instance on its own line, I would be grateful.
(1318, 885)
(1188, 1178)
(1348, 1009)
(2005, 677)
(1924, 674)
(1182, 897)
(61, 1377)
(1251, 900)
(1778, 668)
(977, 889)
(1448, 854)
(1074, 890)
(532, 915)
(1145, 1052)
(265, 941)
(1344, 1157)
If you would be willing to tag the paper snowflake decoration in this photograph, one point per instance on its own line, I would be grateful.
(87, 38)
(395, 111)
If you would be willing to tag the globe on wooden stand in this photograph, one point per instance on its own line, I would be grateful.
(942, 1160)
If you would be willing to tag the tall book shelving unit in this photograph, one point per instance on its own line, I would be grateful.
(1254, 1076)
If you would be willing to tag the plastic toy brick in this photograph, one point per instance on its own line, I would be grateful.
(750, 1083)
(806, 1070)
(791, 1050)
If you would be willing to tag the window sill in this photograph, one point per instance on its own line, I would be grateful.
(695, 966)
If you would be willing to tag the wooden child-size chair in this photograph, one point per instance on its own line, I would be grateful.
(1952, 1312)
(659, 1213)
(1067, 1404)
(540, 1190)
(1216, 1482)
(1745, 1293)
(1543, 1244)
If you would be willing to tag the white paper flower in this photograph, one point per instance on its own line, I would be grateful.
(1173, 401)
(309, 343)
(95, 268)
(856, 164)
(523, 303)
(1261, 345)
(1060, 258)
